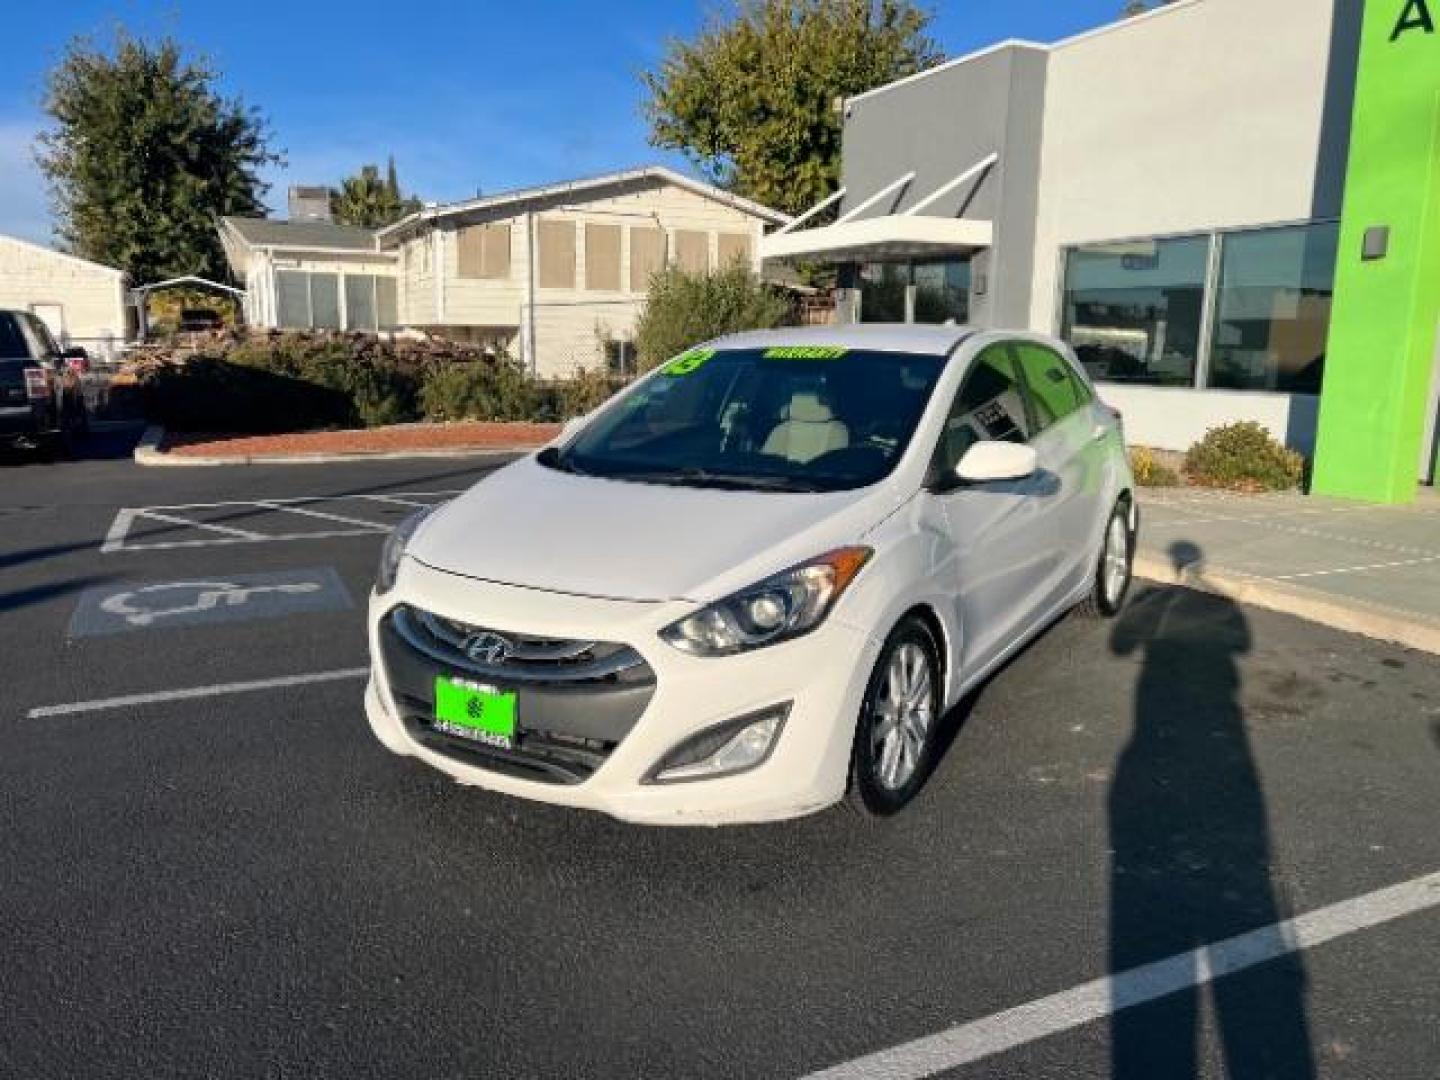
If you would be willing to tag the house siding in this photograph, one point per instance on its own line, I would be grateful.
(90, 296)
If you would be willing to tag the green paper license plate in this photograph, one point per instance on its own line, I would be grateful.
(472, 711)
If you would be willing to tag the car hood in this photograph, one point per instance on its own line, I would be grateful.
(537, 527)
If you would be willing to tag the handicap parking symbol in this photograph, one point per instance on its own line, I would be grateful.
(127, 606)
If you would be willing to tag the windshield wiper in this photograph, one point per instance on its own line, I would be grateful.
(697, 477)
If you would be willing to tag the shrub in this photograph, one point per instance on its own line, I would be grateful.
(209, 393)
(684, 309)
(1150, 471)
(491, 389)
(1243, 456)
(586, 391)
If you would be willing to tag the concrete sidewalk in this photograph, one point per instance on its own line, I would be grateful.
(1367, 569)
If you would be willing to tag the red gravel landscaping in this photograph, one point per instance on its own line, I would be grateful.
(388, 440)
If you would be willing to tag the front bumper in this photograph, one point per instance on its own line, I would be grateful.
(590, 744)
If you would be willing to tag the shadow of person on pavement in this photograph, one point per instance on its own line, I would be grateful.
(1191, 847)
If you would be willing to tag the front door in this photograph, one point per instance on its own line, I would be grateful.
(1003, 552)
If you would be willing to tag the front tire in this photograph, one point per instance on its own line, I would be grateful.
(896, 734)
(1111, 584)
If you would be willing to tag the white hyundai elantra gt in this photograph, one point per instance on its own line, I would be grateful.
(753, 582)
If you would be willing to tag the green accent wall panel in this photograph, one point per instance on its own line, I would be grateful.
(1380, 355)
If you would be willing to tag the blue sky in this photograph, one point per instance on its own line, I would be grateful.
(467, 95)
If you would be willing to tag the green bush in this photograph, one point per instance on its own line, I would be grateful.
(586, 391)
(483, 390)
(209, 393)
(1243, 456)
(684, 309)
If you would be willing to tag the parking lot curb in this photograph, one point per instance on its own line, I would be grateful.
(148, 452)
(1355, 618)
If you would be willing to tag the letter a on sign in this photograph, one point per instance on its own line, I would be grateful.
(1416, 16)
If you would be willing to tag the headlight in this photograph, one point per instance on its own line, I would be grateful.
(394, 549)
(785, 606)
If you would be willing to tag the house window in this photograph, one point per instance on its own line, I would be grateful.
(734, 247)
(692, 251)
(292, 299)
(922, 292)
(325, 301)
(360, 302)
(483, 251)
(1133, 310)
(557, 254)
(387, 302)
(1273, 309)
(602, 257)
(647, 256)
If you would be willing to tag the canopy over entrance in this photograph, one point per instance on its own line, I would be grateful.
(910, 234)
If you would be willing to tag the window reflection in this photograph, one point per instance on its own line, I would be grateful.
(1133, 310)
(1274, 308)
(940, 290)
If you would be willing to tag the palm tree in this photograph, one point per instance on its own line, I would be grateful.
(369, 202)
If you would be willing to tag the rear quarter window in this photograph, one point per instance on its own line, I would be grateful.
(13, 345)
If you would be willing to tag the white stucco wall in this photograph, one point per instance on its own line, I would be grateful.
(1175, 418)
(1206, 114)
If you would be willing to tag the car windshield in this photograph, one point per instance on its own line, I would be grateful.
(818, 418)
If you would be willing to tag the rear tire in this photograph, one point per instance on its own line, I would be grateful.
(896, 733)
(1111, 584)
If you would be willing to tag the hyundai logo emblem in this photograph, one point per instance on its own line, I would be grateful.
(487, 648)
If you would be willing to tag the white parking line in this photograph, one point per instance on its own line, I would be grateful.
(188, 693)
(127, 519)
(966, 1043)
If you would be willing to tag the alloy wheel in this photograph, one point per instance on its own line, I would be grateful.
(904, 711)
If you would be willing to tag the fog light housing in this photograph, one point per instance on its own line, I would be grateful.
(727, 749)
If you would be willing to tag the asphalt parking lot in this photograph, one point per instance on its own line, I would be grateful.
(243, 883)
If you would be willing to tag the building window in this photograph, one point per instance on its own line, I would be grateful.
(483, 251)
(311, 301)
(1272, 312)
(647, 257)
(921, 292)
(360, 302)
(602, 257)
(557, 254)
(1133, 310)
(692, 251)
(387, 302)
(734, 247)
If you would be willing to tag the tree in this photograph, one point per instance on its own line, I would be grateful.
(367, 201)
(752, 100)
(145, 155)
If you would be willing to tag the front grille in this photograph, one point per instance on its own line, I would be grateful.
(531, 658)
(575, 700)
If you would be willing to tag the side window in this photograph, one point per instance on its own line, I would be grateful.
(42, 346)
(13, 345)
(989, 406)
(1054, 390)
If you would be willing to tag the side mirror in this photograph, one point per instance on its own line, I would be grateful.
(988, 461)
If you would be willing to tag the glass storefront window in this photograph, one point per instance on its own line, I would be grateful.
(1133, 310)
(1273, 309)
(882, 291)
(940, 290)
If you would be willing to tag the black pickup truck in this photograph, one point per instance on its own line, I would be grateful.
(42, 404)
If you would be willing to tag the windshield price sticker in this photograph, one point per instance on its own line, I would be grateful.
(805, 352)
(684, 365)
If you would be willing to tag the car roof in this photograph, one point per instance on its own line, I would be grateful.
(882, 337)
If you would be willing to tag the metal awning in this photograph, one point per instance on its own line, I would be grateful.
(908, 234)
(896, 236)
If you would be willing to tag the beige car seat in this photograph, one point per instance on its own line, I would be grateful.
(807, 430)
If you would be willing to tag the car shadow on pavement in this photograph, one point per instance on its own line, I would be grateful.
(1191, 851)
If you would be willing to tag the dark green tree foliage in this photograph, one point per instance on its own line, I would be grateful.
(751, 101)
(369, 202)
(144, 154)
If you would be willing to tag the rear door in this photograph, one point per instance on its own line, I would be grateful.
(1072, 445)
